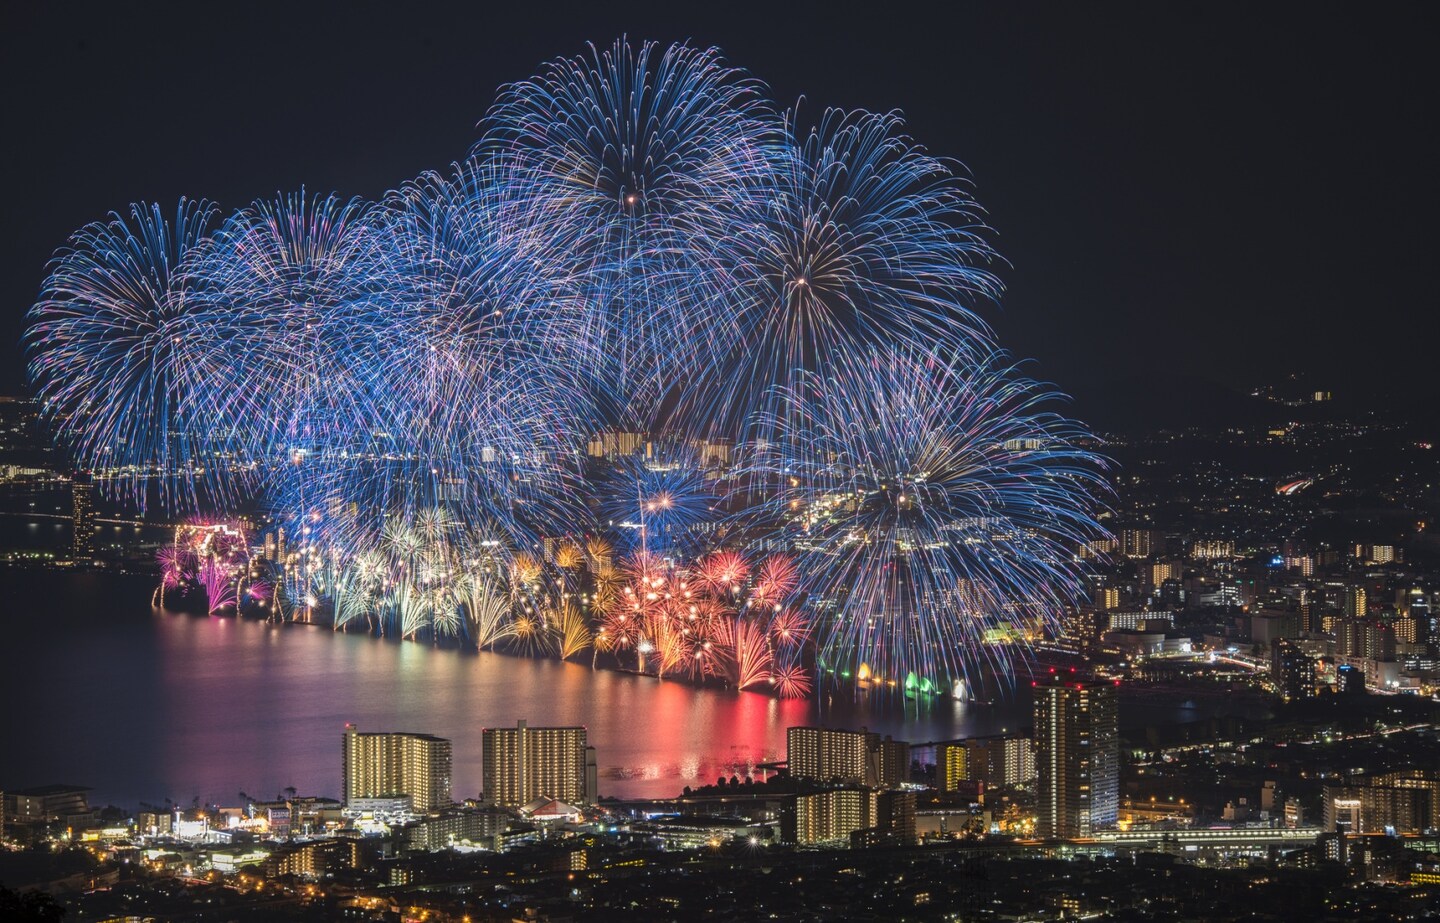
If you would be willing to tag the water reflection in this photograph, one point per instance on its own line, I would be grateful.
(148, 707)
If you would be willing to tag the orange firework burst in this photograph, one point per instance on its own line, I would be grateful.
(599, 554)
(672, 646)
(569, 556)
(524, 569)
(702, 623)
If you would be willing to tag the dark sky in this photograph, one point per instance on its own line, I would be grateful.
(1184, 192)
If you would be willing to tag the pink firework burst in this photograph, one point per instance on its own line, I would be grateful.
(792, 681)
(723, 572)
(776, 581)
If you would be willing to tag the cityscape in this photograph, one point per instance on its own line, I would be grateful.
(655, 515)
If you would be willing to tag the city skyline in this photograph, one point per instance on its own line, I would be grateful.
(807, 461)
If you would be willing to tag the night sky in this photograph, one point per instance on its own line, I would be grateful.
(1194, 195)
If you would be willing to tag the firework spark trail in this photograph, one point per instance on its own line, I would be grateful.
(749, 644)
(486, 610)
(217, 579)
(572, 630)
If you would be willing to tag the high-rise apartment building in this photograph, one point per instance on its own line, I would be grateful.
(389, 765)
(1209, 549)
(523, 764)
(1100, 548)
(612, 444)
(849, 757)
(839, 815)
(827, 754)
(888, 762)
(1162, 571)
(1356, 602)
(952, 766)
(1408, 630)
(82, 517)
(1019, 765)
(1292, 670)
(991, 760)
(1077, 755)
(828, 817)
(1137, 543)
(1403, 802)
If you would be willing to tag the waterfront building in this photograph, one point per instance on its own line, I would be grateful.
(850, 815)
(827, 754)
(390, 765)
(847, 757)
(830, 817)
(466, 825)
(887, 762)
(522, 764)
(1001, 760)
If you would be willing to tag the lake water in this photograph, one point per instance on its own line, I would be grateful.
(100, 690)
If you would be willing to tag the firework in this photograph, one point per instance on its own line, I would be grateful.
(776, 581)
(278, 289)
(865, 242)
(487, 612)
(113, 351)
(572, 630)
(749, 645)
(791, 681)
(569, 557)
(950, 512)
(638, 164)
(209, 558)
(723, 573)
(217, 579)
(655, 503)
(477, 325)
(785, 316)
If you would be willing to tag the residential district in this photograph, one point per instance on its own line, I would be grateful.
(1288, 567)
